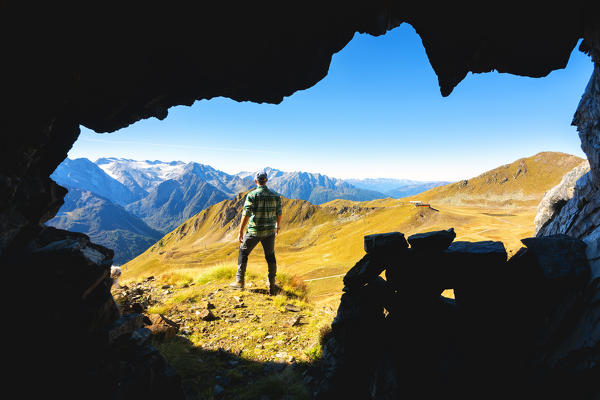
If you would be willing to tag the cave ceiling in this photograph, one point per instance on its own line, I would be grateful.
(108, 64)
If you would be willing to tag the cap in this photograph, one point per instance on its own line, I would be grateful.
(261, 176)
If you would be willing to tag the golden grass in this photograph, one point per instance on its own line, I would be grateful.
(520, 183)
(325, 241)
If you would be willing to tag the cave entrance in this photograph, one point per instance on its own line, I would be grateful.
(354, 124)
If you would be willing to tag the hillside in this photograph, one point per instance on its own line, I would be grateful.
(242, 344)
(522, 182)
(320, 242)
(105, 223)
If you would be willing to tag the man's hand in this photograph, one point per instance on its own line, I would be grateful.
(278, 225)
(243, 224)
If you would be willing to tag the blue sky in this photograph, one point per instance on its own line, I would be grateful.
(378, 113)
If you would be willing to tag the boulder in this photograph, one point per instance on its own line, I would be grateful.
(384, 244)
(365, 270)
(436, 241)
(382, 293)
(207, 305)
(125, 325)
(162, 327)
(466, 263)
(205, 315)
(360, 309)
(477, 272)
(416, 274)
(548, 298)
(559, 257)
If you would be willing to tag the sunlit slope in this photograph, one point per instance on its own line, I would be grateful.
(320, 242)
(522, 182)
(209, 237)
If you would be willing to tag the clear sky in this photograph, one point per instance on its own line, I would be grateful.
(378, 113)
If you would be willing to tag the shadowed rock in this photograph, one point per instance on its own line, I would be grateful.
(127, 324)
(365, 269)
(162, 327)
(432, 241)
(384, 244)
(559, 256)
(467, 262)
(205, 315)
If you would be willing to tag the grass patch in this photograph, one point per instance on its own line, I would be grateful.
(221, 272)
(181, 355)
(314, 353)
(177, 278)
(217, 273)
(286, 384)
(292, 284)
(325, 333)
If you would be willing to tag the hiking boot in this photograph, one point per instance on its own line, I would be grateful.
(237, 285)
(273, 288)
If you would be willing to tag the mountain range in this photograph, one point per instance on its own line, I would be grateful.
(314, 188)
(396, 188)
(126, 204)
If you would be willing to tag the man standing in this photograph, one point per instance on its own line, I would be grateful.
(262, 214)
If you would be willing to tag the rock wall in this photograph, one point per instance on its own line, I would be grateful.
(76, 342)
(558, 196)
(513, 330)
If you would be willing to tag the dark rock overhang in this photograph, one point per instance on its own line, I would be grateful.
(108, 64)
(114, 63)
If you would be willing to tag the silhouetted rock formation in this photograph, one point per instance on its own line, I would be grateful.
(259, 57)
(64, 66)
(508, 334)
(81, 333)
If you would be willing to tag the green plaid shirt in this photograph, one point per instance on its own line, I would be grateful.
(263, 206)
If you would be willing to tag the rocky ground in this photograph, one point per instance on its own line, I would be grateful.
(232, 344)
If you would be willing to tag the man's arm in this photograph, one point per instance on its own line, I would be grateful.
(243, 224)
(247, 210)
(278, 212)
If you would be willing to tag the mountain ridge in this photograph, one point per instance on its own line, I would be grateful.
(524, 181)
(106, 223)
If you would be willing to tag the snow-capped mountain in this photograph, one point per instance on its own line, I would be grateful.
(315, 188)
(143, 176)
(122, 203)
(140, 176)
(83, 174)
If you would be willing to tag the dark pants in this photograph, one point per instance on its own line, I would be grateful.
(248, 244)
